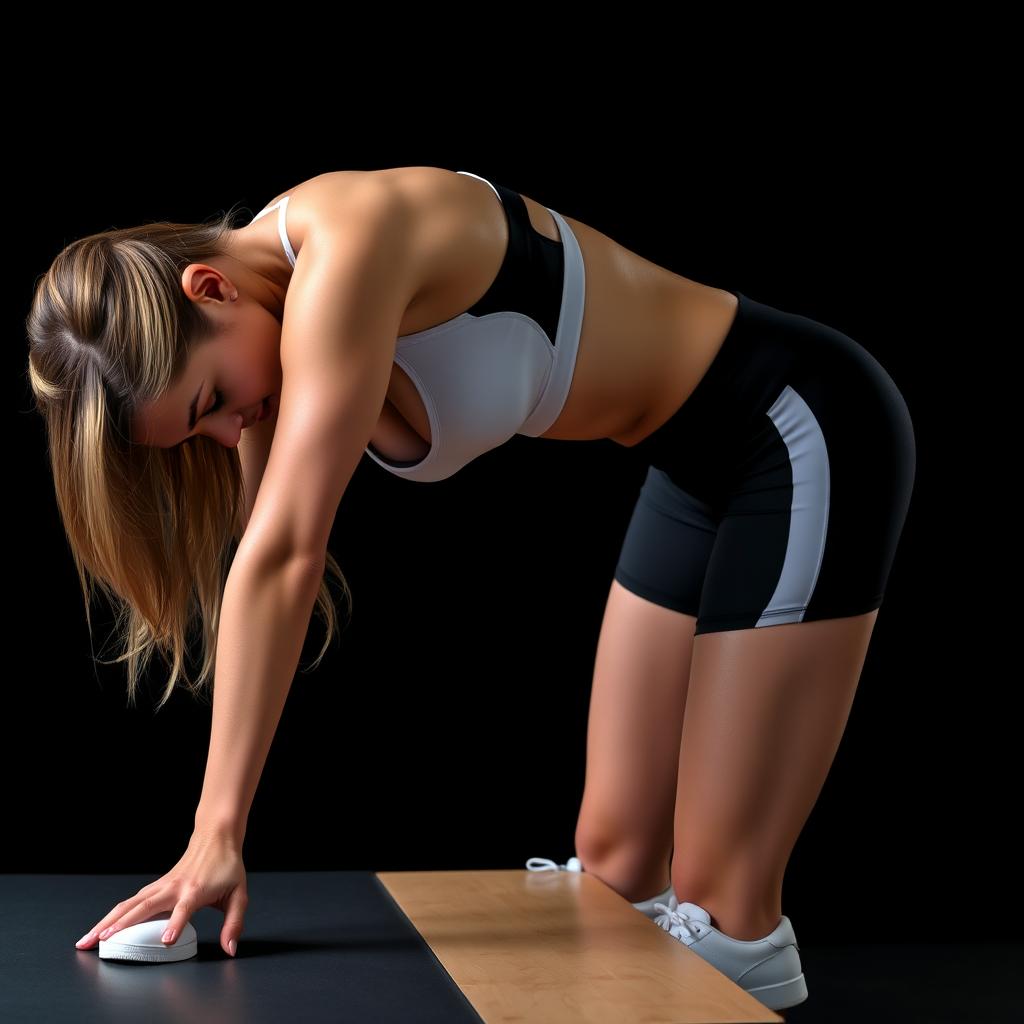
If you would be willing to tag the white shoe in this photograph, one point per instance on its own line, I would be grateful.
(646, 907)
(142, 942)
(768, 968)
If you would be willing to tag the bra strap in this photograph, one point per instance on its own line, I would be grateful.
(282, 207)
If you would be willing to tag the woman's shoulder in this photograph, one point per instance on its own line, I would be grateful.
(333, 194)
(327, 203)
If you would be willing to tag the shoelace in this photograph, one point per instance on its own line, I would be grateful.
(543, 864)
(674, 918)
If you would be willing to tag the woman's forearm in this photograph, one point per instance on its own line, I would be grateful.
(265, 613)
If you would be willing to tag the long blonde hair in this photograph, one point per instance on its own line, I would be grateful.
(154, 529)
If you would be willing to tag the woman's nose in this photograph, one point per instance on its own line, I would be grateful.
(229, 431)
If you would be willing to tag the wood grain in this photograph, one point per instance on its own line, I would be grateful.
(562, 947)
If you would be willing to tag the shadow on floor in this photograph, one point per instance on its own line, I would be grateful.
(933, 984)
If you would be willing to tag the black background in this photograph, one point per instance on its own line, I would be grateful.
(448, 728)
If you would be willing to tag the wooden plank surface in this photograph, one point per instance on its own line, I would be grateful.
(539, 947)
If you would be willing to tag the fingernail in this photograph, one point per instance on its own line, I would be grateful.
(168, 935)
(232, 946)
(85, 938)
(106, 932)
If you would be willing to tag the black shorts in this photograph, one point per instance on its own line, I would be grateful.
(778, 491)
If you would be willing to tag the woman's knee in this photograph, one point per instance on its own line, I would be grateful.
(633, 873)
(629, 859)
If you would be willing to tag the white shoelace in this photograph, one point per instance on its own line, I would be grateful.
(683, 926)
(543, 864)
(686, 928)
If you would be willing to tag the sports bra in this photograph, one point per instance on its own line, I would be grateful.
(505, 365)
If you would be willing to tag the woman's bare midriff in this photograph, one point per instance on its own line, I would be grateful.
(647, 338)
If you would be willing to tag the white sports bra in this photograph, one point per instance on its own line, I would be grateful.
(504, 366)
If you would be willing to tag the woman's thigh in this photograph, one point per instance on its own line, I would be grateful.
(637, 701)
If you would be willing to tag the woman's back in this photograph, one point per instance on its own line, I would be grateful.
(647, 334)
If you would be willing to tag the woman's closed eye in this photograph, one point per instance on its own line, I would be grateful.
(218, 401)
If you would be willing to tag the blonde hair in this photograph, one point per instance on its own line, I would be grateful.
(155, 529)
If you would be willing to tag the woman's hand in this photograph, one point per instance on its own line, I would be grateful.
(210, 873)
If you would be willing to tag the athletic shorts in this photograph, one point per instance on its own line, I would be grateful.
(778, 491)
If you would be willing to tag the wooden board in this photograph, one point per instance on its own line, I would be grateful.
(538, 947)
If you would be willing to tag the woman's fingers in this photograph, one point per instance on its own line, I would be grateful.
(210, 871)
(142, 910)
(234, 920)
(183, 910)
(94, 932)
(139, 908)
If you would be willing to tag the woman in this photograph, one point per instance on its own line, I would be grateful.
(781, 460)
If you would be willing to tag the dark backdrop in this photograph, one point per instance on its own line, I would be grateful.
(448, 728)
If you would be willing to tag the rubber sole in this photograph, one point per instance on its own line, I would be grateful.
(781, 995)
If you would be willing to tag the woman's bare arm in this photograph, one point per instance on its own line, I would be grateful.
(264, 619)
(253, 452)
(346, 298)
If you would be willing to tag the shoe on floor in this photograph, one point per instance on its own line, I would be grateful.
(142, 942)
(768, 968)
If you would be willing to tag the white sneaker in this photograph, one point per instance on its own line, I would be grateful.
(142, 942)
(768, 968)
(646, 907)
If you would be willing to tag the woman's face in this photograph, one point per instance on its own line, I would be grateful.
(224, 383)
